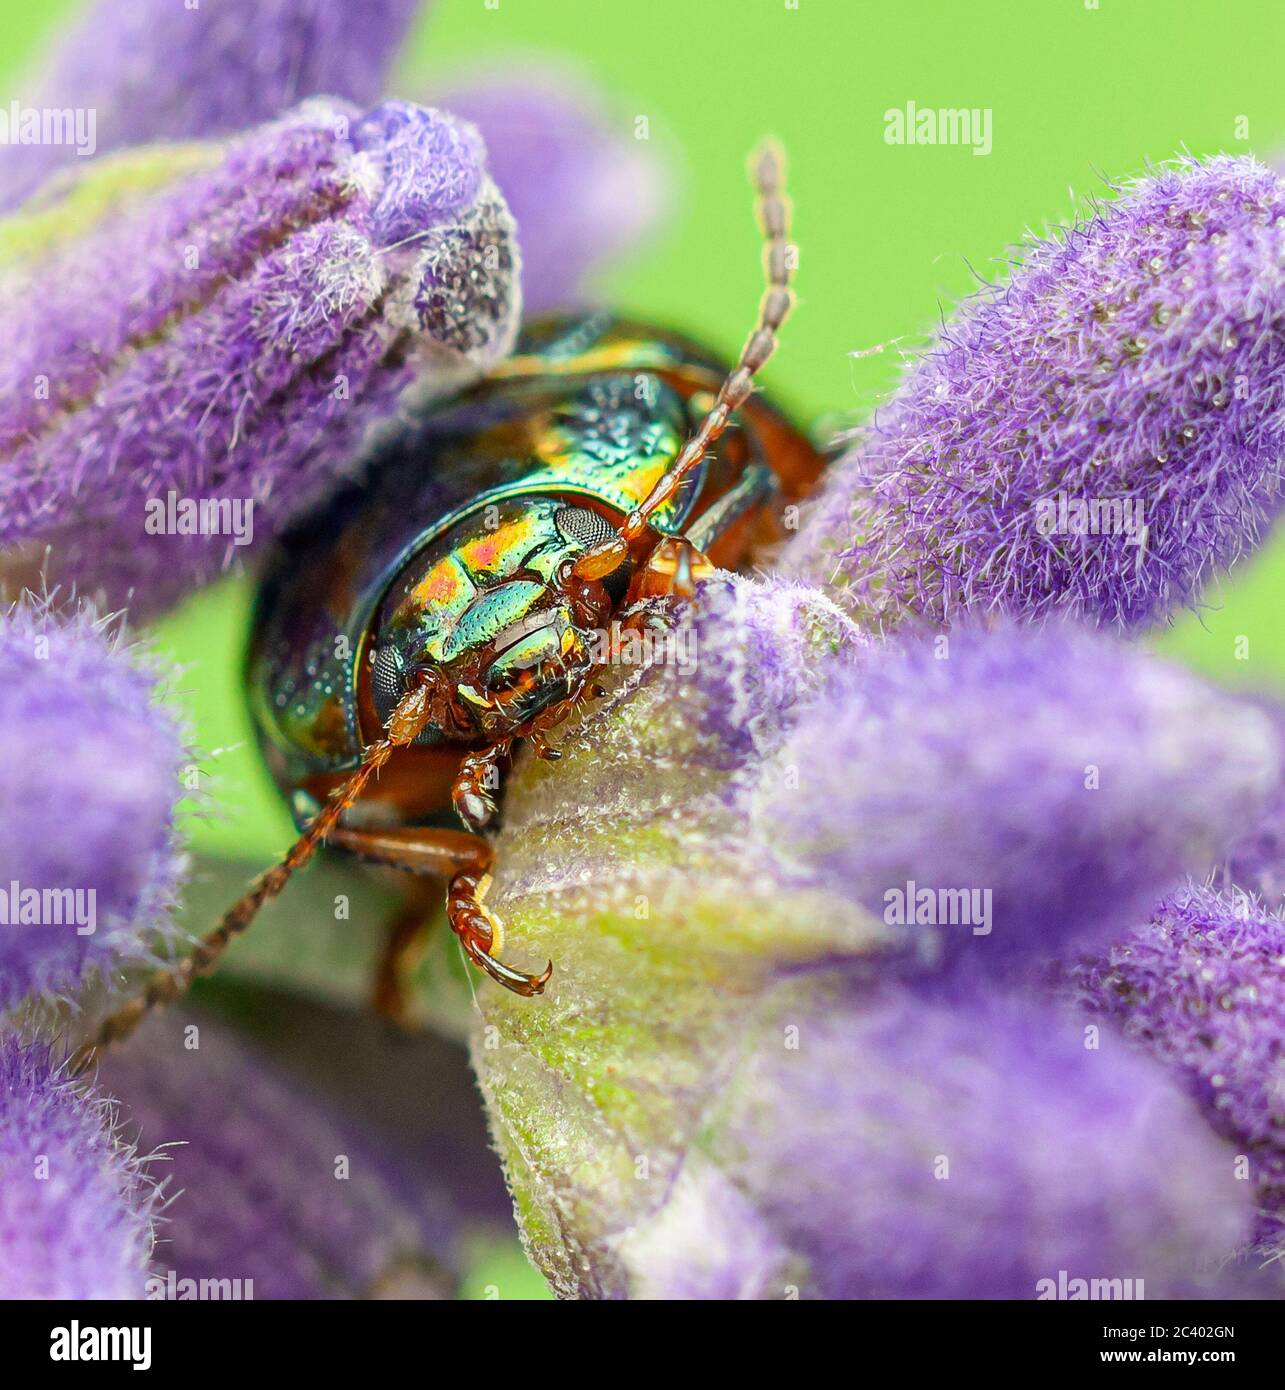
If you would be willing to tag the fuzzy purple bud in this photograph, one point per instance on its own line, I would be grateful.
(426, 169)
(1202, 987)
(145, 70)
(1099, 435)
(90, 766)
(191, 370)
(581, 188)
(758, 648)
(75, 1205)
(264, 1183)
(898, 1148)
(996, 792)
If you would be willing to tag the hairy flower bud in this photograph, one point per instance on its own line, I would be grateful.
(145, 70)
(266, 1185)
(208, 354)
(1201, 986)
(1098, 436)
(91, 763)
(76, 1207)
(998, 791)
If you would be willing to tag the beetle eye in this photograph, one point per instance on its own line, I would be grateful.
(585, 528)
(386, 686)
(388, 677)
(582, 527)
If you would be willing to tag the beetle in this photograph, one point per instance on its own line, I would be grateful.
(447, 603)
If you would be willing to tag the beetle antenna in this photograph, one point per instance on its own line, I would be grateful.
(164, 986)
(767, 171)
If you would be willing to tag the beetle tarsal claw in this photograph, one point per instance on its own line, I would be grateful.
(486, 959)
(494, 966)
(481, 934)
(515, 980)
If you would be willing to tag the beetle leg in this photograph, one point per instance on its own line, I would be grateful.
(475, 785)
(542, 748)
(482, 935)
(466, 861)
(423, 850)
(672, 570)
(407, 937)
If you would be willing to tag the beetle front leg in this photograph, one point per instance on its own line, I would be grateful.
(672, 570)
(481, 934)
(475, 785)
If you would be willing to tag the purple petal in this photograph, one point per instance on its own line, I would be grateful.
(1100, 435)
(75, 1206)
(156, 70)
(90, 765)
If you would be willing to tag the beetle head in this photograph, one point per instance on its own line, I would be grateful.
(492, 619)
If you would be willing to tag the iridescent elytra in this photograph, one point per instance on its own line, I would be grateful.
(450, 600)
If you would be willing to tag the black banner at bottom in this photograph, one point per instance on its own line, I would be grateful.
(214, 1338)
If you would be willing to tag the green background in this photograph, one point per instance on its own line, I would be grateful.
(887, 234)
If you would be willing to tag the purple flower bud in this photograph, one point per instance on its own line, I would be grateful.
(90, 764)
(147, 70)
(581, 188)
(230, 341)
(906, 1149)
(263, 1183)
(1202, 987)
(1099, 435)
(75, 1206)
(758, 648)
(995, 793)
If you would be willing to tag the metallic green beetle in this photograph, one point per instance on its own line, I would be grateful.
(451, 600)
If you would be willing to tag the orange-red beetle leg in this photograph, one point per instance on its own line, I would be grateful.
(465, 860)
(672, 570)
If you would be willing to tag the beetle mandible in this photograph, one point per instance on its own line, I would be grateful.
(447, 603)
